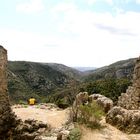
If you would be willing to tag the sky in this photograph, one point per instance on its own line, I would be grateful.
(87, 33)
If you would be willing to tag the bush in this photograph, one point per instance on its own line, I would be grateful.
(90, 115)
(61, 103)
(75, 134)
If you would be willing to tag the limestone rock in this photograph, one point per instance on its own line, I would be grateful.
(29, 130)
(81, 98)
(130, 99)
(103, 101)
(125, 120)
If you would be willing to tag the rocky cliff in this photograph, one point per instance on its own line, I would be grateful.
(126, 115)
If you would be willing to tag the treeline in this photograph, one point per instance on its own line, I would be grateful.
(111, 88)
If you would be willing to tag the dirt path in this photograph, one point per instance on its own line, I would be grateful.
(56, 118)
(107, 133)
(52, 116)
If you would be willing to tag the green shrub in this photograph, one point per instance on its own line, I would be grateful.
(75, 134)
(90, 115)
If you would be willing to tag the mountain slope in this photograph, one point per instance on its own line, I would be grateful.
(27, 79)
(120, 69)
(71, 72)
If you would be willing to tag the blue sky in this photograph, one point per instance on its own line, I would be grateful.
(72, 32)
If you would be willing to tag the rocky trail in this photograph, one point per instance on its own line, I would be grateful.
(56, 117)
(107, 133)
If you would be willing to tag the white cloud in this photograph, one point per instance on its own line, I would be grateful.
(81, 38)
(91, 2)
(138, 1)
(109, 1)
(32, 6)
(116, 37)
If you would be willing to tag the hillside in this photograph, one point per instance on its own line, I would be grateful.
(71, 72)
(120, 69)
(27, 79)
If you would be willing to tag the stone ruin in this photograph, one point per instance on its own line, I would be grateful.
(7, 118)
(126, 115)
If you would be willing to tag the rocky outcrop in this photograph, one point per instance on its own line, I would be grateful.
(81, 98)
(130, 99)
(125, 120)
(29, 130)
(103, 101)
(126, 115)
(7, 118)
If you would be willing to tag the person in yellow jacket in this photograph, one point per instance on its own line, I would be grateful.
(32, 101)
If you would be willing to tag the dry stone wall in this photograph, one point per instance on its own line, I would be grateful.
(7, 118)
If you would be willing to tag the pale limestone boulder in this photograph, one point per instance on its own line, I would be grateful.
(81, 98)
(125, 120)
(103, 101)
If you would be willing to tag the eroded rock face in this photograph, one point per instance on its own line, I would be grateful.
(126, 115)
(7, 118)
